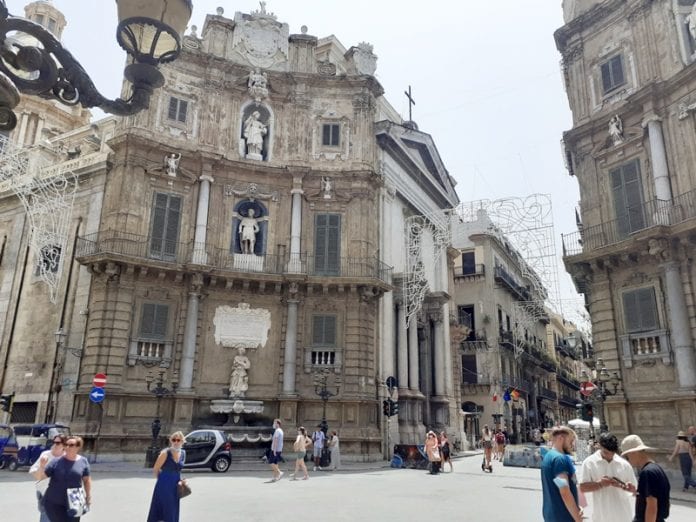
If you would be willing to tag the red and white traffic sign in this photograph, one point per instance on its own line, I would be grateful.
(99, 380)
(586, 388)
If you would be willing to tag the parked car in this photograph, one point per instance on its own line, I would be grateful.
(208, 449)
(32, 439)
(8, 448)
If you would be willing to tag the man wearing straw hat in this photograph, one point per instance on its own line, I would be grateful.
(652, 495)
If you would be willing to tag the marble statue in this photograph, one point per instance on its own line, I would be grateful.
(239, 380)
(171, 163)
(616, 130)
(248, 228)
(326, 186)
(254, 131)
(258, 84)
(691, 20)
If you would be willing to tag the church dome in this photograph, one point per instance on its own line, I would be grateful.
(44, 13)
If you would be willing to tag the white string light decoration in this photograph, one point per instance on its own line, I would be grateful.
(47, 194)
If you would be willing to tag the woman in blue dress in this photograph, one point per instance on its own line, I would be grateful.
(165, 499)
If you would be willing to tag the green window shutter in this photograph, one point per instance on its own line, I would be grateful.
(327, 244)
(627, 193)
(324, 330)
(154, 320)
(164, 231)
(617, 71)
(640, 310)
(172, 113)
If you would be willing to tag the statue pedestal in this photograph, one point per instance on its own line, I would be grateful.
(248, 262)
(254, 156)
(235, 407)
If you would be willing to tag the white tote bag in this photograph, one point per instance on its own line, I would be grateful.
(77, 502)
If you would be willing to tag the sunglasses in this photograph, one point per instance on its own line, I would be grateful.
(177, 440)
(72, 445)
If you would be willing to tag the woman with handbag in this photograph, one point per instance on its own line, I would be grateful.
(69, 492)
(56, 451)
(167, 469)
(301, 445)
(432, 450)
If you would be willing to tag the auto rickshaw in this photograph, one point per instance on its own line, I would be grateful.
(9, 448)
(32, 439)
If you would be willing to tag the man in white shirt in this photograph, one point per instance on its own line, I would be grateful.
(611, 481)
(275, 454)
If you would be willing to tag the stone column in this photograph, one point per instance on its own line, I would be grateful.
(290, 355)
(188, 355)
(438, 355)
(21, 136)
(658, 158)
(296, 231)
(684, 357)
(447, 351)
(200, 257)
(413, 368)
(402, 346)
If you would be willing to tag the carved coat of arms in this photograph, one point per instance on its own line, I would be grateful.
(260, 39)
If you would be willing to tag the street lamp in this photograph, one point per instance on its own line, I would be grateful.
(60, 341)
(148, 30)
(321, 389)
(604, 380)
(156, 386)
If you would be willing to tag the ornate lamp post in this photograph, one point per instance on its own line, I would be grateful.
(603, 381)
(156, 386)
(149, 31)
(321, 389)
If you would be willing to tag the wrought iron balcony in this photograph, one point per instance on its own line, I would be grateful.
(469, 271)
(548, 394)
(653, 213)
(517, 290)
(135, 248)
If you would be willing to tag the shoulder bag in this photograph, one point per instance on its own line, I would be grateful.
(77, 502)
(183, 489)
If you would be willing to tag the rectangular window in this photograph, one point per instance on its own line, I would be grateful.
(613, 73)
(468, 263)
(51, 24)
(153, 321)
(164, 229)
(327, 244)
(49, 260)
(627, 192)
(324, 330)
(469, 369)
(640, 310)
(24, 412)
(177, 110)
(330, 134)
(39, 19)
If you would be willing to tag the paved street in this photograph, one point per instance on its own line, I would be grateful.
(380, 494)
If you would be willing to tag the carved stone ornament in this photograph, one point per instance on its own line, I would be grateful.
(363, 58)
(616, 132)
(659, 249)
(241, 327)
(327, 68)
(258, 85)
(250, 191)
(260, 38)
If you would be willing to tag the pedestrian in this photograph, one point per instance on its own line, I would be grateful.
(652, 495)
(611, 481)
(537, 436)
(56, 450)
(275, 455)
(499, 445)
(164, 506)
(558, 480)
(301, 444)
(335, 448)
(432, 450)
(487, 442)
(445, 451)
(685, 450)
(318, 437)
(70, 471)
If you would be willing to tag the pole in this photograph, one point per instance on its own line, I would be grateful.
(99, 427)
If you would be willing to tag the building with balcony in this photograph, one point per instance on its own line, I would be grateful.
(239, 236)
(630, 77)
(505, 368)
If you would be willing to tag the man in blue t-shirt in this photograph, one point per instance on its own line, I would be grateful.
(558, 480)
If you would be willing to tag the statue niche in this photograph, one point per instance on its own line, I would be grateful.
(255, 133)
(249, 228)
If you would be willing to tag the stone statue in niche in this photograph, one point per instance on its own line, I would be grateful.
(691, 21)
(248, 228)
(616, 130)
(239, 379)
(171, 163)
(258, 85)
(326, 186)
(254, 131)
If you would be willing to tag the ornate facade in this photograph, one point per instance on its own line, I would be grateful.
(630, 77)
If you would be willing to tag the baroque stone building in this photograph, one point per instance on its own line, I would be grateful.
(630, 78)
(237, 239)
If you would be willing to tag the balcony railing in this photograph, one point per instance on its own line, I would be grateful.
(502, 276)
(654, 213)
(646, 345)
(548, 394)
(146, 248)
(469, 271)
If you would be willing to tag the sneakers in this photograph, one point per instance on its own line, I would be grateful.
(315, 468)
(280, 476)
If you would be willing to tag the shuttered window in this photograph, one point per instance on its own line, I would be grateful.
(613, 73)
(469, 369)
(627, 192)
(324, 330)
(153, 323)
(327, 244)
(640, 310)
(468, 263)
(330, 134)
(164, 230)
(177, 110)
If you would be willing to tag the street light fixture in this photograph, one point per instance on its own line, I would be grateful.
(60, 341)
(156, 386)
(604, 379)
(321, 389)
(149, 31)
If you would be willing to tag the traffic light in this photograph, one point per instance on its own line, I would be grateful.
(6, 402)
(394, 409)
(385, 407)
(587, 414)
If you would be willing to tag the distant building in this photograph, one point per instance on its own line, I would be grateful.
(630, 79)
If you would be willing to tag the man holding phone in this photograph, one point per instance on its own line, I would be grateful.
(611, 481)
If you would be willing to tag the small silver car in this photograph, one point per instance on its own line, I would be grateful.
(208, 449)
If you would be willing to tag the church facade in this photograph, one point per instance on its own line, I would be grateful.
(231, 254)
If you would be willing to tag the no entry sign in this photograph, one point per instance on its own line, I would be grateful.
(586, 388)
(99, 380)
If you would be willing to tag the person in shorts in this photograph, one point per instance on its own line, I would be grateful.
(276, 450)
(302, 443)
(318, 437)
